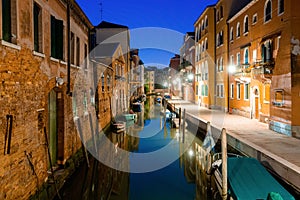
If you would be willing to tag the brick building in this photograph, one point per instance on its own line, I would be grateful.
(267, 88)
(187, 67)
(204, 58)
(34, 84)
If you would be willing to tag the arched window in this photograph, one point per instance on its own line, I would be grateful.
(246, 23)
(238, 30)
(231, 33)
(206, 21)
(217, 15)
(268, 10)
(221, 65)
(221, 12)
(280, 6)
(246, 56)
(202, 25)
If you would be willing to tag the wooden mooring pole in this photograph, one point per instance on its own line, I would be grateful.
(183, 126)
(224, 164)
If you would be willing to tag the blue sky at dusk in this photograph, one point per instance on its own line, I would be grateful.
(172, 19)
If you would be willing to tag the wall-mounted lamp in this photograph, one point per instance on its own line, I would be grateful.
(59, 81)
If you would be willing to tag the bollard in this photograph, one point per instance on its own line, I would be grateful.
(224, 164)
(183, 126)
(179, 118)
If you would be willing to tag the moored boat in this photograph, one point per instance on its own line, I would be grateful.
(247, 179)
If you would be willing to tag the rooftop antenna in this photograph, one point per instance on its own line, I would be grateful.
(101, 10)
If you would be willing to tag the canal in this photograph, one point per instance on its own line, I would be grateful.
(175, 172)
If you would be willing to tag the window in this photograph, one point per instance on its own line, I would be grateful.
(85, 56)
(238, 59)
(102, 82)
(77, 51)
(231, 34)
(231, 60)
(57, 38)
(238, 30)
(268, 11)
(246, 56)
(218, 17)
(220, 91)
(221, 37)
(246, 91)
(38, 32)
(231, 91)
(254, 18)
(246, 27)
(72, 48)
(221, 65)
(221, 12)
(206, 44)
(202, 25)
(279, 97)
(206, 21)
(238, 91)
(108, 82)
(9, 21)
(266, 51)
(280, 6)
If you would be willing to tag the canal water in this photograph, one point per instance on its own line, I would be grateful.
(183, 178)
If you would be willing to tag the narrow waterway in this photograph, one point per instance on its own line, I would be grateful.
(182, 178)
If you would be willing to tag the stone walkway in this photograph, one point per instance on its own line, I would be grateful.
(281, 148)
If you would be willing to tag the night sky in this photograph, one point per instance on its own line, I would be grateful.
(176, 16)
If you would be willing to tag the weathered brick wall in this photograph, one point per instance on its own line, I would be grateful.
(26, 81)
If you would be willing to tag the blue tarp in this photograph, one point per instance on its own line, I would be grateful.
(248, 179)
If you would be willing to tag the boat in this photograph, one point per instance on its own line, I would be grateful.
(136, 107)
(118, 126)
(247, 179)
(129, 117)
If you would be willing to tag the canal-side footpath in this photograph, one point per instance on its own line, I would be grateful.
(278, 152)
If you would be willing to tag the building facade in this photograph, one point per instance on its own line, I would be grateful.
(263, 87)
(36, 102)
(187, 67)
(204, 58)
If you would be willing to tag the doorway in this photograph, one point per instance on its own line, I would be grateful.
(256, 103)
(56, 126)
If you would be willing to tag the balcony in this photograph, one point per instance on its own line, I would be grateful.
(243, 70)
(263, 70)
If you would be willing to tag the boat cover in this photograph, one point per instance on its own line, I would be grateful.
(248, 179)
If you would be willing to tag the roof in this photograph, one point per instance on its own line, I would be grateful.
(237, 5)
(106, 49)
(105, 24)
(248, 179)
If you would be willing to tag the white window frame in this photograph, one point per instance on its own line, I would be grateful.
(246, 97)
(244, 26)
(231, 34)
(231, 91)
(254, 16)
(238, 91)
(238, 30)
(265, 7)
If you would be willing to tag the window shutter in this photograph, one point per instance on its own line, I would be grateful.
(59, 38)
(6, 20)
(53, 37)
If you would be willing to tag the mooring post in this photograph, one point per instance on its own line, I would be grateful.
(183, 126)
(179, 118)
(224, 164)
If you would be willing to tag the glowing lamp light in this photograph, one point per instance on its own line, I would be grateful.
(191, 152)
(190, 76)
(231, 69)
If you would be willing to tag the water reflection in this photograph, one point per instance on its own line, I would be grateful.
(185, 178)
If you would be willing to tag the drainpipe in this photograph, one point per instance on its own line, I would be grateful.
(68, 50)
(215, 52)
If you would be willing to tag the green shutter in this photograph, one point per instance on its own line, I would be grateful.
(36, 27)
(6, 20)
(53, 41)
(59, 38)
